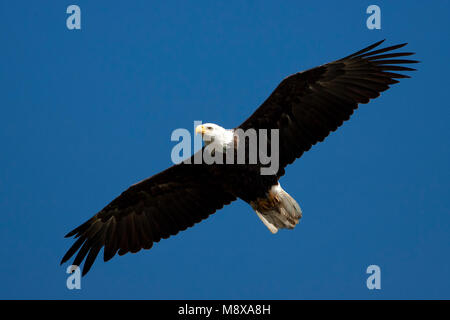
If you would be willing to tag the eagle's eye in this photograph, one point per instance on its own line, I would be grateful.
(209, 128)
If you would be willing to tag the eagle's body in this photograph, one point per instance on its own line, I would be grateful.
(305, 108)
(243, 181)
(276, 208)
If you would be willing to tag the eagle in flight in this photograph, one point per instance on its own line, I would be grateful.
(305, 108)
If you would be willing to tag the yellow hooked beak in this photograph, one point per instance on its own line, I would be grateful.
(200, 129)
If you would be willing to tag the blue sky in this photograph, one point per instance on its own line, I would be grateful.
(86, 113)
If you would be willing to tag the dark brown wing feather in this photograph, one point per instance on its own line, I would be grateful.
(154, 209)
(308, 105)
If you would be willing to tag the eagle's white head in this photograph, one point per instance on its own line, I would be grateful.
(212, 133)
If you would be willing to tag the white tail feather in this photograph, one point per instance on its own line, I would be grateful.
(284, 213)
(268, 224)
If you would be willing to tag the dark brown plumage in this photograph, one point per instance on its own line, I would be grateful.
(153, 209)
(305, 106)
(308, 105)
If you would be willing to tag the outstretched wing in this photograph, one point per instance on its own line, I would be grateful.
(308, 105)
(148, 211)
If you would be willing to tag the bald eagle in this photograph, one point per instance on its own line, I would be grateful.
(305, 108)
